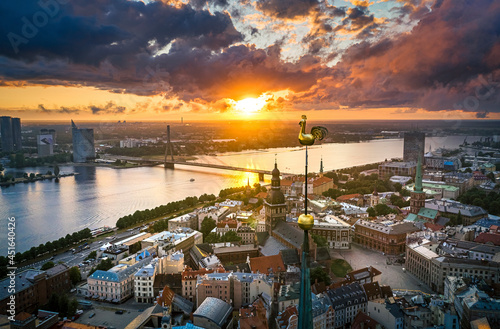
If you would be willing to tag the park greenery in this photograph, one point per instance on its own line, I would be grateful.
(489, 201)
(18, 160)
(47, 265)
(340, 268)
(141, 216)
(104, 265)
(135, 247)
(362, 185)
(74, 275)
(207, 225)
(380, 210)
(319, 274)
(230, 236)
(92, 255)
(319, 240)
(62, 304)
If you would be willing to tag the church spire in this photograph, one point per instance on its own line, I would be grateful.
(321, 167)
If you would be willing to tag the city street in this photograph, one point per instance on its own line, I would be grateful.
(392, 275)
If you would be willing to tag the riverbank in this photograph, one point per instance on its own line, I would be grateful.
(27, 180)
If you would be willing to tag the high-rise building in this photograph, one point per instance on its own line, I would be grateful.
(83, 144)
(414, 143)
(11, 134)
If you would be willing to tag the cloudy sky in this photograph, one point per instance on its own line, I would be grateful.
(224, 59)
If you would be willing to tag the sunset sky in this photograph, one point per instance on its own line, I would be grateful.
(240, 59)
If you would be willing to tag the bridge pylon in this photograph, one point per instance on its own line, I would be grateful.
(169, 165)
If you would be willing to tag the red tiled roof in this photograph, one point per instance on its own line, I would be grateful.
(287, 314)
(166, 297)
(253, 316)
(229, 223)
(434, 227)
(264, 263)
(261, 195)
(488, 237)
(348, 197)
(192, 275)
(318, 181)
(363, 321)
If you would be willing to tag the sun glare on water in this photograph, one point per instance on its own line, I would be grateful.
(250, 105)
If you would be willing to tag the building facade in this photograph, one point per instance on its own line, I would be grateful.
(387, 237)
(413, 146)
(10, 129)
(83, 144)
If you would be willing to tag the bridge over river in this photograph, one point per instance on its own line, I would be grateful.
(171, 165)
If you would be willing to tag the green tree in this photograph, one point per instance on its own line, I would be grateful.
(92, 255)
(63, 305)
(207, 226)
(230, 236)
(371, 212)
(212, 238)
(74, 275)
(398, 187)
(73, 306)
(47, 265)
(319, 274)
(135, 247)
(319, 240)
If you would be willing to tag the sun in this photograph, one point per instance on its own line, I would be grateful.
(250, 105)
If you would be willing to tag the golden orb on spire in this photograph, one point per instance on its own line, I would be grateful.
(306, 222)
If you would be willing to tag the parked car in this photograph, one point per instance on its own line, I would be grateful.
(91, 315)
(119, 312)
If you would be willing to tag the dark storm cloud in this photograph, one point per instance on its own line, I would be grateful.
(447, 62)
(89, 32)
(359, 21)
(62, 110)
(286, 9)
(109, 108)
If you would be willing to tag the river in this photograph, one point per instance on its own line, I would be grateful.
(97, 196)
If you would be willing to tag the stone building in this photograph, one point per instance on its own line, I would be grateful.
(386, 237)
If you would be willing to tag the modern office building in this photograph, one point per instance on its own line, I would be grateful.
(45, 145)
(11, 134)
(414, 143)
(83, 144)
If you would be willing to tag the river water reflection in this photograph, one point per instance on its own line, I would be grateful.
(98, 196)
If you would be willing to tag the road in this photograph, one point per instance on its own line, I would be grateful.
(75, 259)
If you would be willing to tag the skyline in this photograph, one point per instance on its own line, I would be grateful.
(113, 60)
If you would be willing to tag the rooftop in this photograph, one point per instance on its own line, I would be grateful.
(388, 227)
(214, 309)
(120, 272)
(267, 264)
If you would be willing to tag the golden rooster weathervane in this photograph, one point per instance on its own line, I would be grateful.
(317, 133)
(306, 222)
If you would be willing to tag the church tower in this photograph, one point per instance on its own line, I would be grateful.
(417, 196)
(275, 206)
(375, 198)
